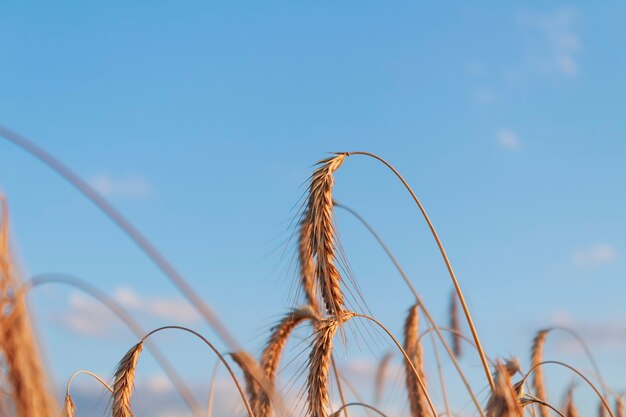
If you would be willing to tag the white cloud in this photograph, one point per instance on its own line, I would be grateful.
(557, 44)
(87, 317)
(599, 254)
(170, 308)
(508, 139)
(126, 187)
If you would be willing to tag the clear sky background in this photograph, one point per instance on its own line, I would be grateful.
(201, 123)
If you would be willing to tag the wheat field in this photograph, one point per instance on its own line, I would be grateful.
(325, 312)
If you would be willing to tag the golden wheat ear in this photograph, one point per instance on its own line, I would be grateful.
(413, 349)
(620, 406)
(319, 215)
(536, 356)
(271, 356)
(503, 401)
(318, 398)
(69, 409)
(124, 382)
(251, 374)
(569, 409)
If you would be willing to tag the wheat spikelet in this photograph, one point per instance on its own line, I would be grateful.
(455, 325)
(270, 358)
(620, 407)
(307, 264)
(569, 409)
(124, 382)
(601, 410)
(319, 214)
(538, 380)
(25, 376)
(503, 401)
(413, 348)
(318, 397)
(69, 409)
(251, 373)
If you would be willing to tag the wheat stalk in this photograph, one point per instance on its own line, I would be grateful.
(413, 348)
(318, 397)
(538, 379)
(124, 382)
(319, 214)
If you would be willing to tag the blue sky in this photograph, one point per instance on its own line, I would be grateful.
(201, 123)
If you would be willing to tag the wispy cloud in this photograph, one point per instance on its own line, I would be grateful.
(609, 332)
(599, 254)
(134, 186)
(508, 139)
(556, 44)
(87, 317)
(170, 308)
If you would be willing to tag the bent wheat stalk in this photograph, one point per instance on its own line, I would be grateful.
(457, 287)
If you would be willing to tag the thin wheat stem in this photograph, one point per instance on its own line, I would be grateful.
(217, 353)
(483, 357)
(359, 404)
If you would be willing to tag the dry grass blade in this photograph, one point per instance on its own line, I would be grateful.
(536, 354)
(455, 325)
(319, 214)
(503, 401)
(124, 382)
(318, 398)
(413, 348)
(270, 359)
(251, 372)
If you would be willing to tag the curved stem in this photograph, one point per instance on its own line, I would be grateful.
(132, 325)
(419, 301)
(96, 377)
(406, 358)
(577, 372)
(367, 406)
(144, 244)
(457, 287)
(217, 352)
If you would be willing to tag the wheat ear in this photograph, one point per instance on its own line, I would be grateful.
(620, 407)
(307, 263)
(319, 214)
(318, 398)
(69, 409)
(503, 401)
(381, 373)
(413, 348)
(455, 325)
(124, 382)
(538, 382)
(270, 358)
(570, 410)
(251, 373)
